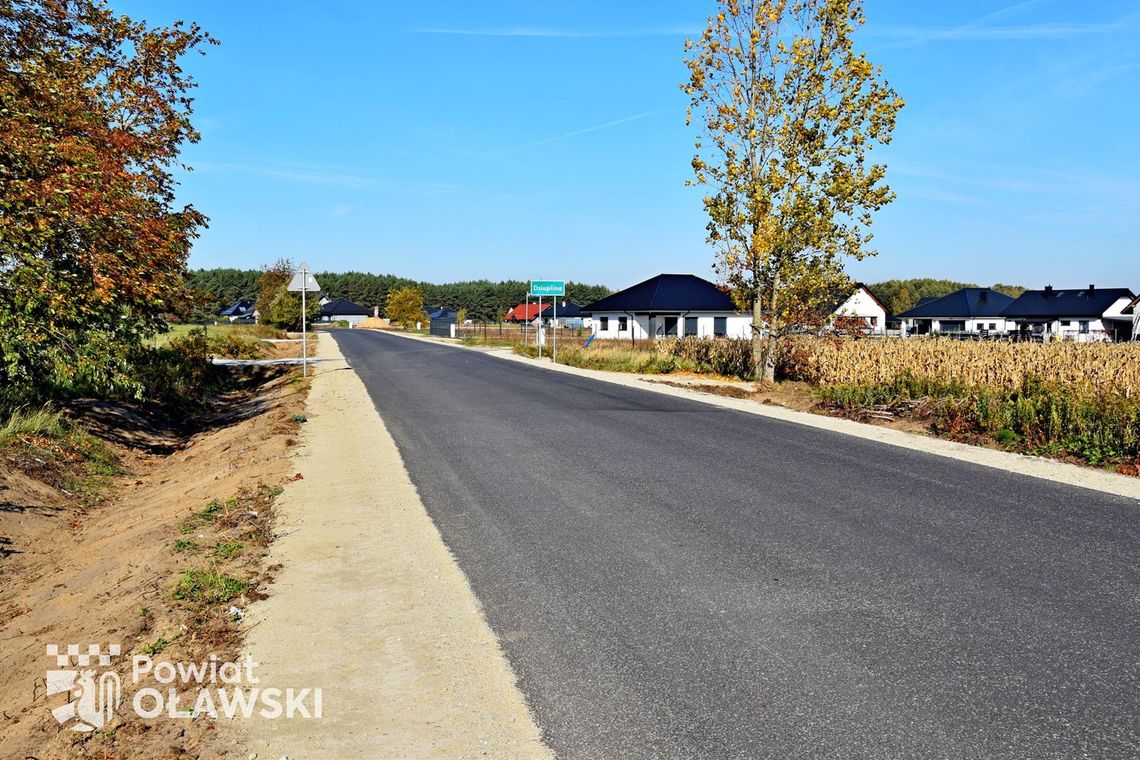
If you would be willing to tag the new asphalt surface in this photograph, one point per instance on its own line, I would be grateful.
(674, 580)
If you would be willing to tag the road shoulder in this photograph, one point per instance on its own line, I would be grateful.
(370, 606)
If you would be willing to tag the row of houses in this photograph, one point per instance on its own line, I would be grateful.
(1080, 314)
(676, 305)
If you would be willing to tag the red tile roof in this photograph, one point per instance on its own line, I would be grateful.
(525, 312)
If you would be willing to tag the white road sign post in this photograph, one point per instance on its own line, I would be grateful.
(304, 281)
(554, 289)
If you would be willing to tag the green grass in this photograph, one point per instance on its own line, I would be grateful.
(40, 422)
(208, 587)
(228, 549)
(219, 330)
(615, 359)
(49, 436)
(156, 647)
(1040, 418)
(184, 545)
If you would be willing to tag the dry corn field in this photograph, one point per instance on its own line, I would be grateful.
(1099, 367)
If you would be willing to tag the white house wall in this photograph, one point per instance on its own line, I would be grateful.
(972, 324)
(861, 304)
(736, 325)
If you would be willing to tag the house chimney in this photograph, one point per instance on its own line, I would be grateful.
(982, 295)
(1091, 287)
(1048, 290)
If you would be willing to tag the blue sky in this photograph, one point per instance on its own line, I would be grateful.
(456, 140)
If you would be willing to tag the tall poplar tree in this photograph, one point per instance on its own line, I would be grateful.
(788, 112)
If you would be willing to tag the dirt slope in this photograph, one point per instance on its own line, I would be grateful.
(77, 570)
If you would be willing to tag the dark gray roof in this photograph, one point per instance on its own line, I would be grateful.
(1049, 303)
(439, 312)
(567, 309)
(342, 307)
(967, 302)
(238, 309)
(667, 292)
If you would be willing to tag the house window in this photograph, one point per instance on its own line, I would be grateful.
(603, 324)
(623, 324)
(691, 326)
(720, 326)
(873, 321)
(1084, 326)
(1067, 323)
(993, 325)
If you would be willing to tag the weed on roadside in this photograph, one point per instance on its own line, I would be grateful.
(208, 587)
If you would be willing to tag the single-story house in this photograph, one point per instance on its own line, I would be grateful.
(243, 310)
(1080, 314)
(972, 311)
(524, 312)
(666, 306)
(342, 309)
(570, 314)
(442, 321)
(862, 304)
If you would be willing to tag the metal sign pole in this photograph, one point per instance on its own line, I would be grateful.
(539, 318)
(526, 321)
(304, 336)
(554, 332)
(300, 282)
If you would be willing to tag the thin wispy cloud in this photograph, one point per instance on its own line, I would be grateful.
(561, 33)
(585, 130)
(983, 28)
(325, 177)
(302, 175)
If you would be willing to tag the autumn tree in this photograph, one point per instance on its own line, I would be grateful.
(788, 112)
(406, 306)
(94, 109)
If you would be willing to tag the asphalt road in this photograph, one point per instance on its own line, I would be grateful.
(674, 580)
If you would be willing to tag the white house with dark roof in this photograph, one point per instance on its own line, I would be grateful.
(863, 304)
(343, 310)
(973, 311)
(1079, 314)
(668, 306)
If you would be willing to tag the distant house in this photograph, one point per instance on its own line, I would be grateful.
(1087, 314)
(442, 321)
(240, 311)
(1133, 310)
(569, 314)
(343, 310)
(524, 312)
(862, 304)
(666, 306)
(973, 311)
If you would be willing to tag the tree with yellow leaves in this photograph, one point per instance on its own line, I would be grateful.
(788, 113)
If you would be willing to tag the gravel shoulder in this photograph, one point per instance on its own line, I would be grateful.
(370, 606)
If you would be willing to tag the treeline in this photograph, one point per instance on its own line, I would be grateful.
(484, 300)
(902, 295)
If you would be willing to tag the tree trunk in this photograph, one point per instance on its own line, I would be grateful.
(764, 339)
(759, 342)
